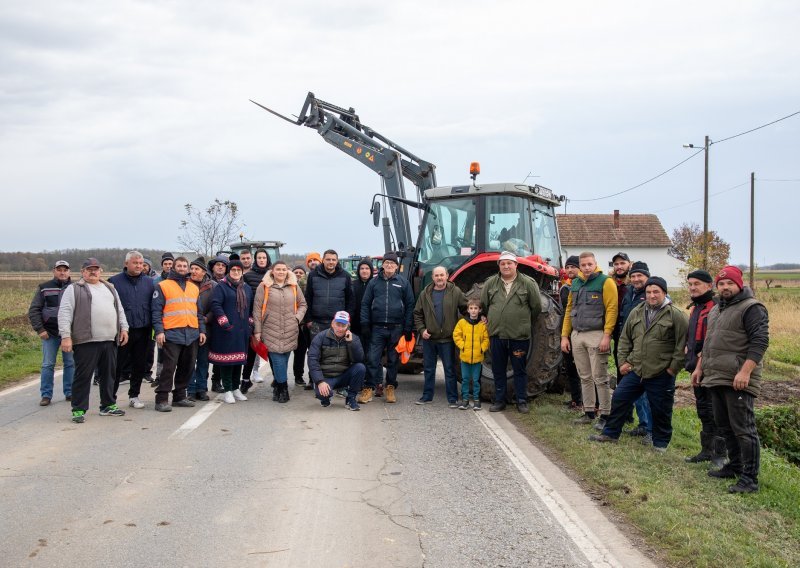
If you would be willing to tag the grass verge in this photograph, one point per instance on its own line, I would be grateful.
(678, 509)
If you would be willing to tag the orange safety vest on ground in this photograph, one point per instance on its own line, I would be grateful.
(180, 306)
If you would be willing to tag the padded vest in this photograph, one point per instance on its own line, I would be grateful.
(726, 345)
(588, 311)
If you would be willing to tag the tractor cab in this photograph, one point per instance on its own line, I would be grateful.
(468, 225)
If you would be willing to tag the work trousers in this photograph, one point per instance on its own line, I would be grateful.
(178, 363)
(133, 355)
(352, 379)
(593, 369)
(736, 420)
(502, 351)
(431, 353)
(303, 341)
(383, 338)
(94, 357)
(573, 379)
(704, 403)
(660, 391)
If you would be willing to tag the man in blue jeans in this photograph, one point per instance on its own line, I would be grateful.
(436, 314)
(336, 361)
(651, 347)
(43, 315)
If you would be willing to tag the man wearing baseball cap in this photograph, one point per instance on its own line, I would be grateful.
(730, 367)
(510, 301)
(43, 315)
(571, 269)
(336, 361)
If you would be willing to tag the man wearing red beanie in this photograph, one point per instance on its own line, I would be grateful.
(730, 366)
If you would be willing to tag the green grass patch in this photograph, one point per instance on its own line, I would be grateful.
(20, 355)
(679, 510)
(780, 275)
(779, 429)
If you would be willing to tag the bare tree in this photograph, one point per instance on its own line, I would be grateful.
(206, 231)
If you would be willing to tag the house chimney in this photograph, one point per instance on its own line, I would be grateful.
(616, 218)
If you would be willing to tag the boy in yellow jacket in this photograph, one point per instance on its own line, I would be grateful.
(472, 339)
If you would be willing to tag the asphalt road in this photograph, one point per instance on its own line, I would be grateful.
(265, 484)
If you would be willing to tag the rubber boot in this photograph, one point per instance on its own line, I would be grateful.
(706, 449)
(719, 451)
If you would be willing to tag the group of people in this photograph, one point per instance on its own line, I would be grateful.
(234, 311)
(721, 343)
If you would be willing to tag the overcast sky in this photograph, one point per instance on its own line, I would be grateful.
(115, 114)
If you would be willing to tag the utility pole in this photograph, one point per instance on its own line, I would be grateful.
(705, 210)
(752, 229)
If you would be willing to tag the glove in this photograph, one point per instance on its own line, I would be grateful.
(408, 335)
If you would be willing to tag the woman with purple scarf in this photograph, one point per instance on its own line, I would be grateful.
(232, 323)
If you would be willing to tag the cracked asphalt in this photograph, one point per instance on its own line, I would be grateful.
(267, 484)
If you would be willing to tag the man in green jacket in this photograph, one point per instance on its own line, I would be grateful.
(651, 348)
(510, 301)
(435, 317)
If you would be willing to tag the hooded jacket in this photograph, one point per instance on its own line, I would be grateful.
(327, 294)
(472, 339)
(359, 287)
(454, 305)
(278, 321)
(43, 311)
(136, 295)
(389, 302)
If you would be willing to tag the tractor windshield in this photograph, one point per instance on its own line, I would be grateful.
(545, 236)
(509, 224)
(449, 233)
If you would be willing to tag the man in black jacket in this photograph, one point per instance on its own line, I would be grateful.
(335, 361)
(328, 290)
(387, 310)
(135, 290)
(43, 315)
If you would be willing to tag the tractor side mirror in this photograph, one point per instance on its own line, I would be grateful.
(376, 213)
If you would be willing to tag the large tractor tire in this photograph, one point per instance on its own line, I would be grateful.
(544, 357)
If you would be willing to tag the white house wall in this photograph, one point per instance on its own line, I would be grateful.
(659, 261)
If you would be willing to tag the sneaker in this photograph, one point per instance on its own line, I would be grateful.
(135, 403)
(423, 401)
(378, 391)
(227, 397)
(476, 405)
(44, 402)
(600, 424)
(602, 438)
(325, 402)
(453, 404)
(464, 404)
(725, 472)
(365, 395)
(112, 410)
(163, 407)
(647, 439)
(583, 420)
(351, 404)
(390, 396)
(638, 431)
(78, 416)
(497, 407)
(743, 486)
(522, 408)
(239, 395)
(183, 403)
(342, 393)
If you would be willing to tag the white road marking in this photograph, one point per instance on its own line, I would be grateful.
(587, 542)
(195, 421)
(25, 385)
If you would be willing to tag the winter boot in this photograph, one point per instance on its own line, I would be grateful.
(706, 449)
(719, 451)
(283, 394)
(245, 386)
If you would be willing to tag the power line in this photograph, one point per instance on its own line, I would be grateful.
(779, 179)
(701, 199)
(689, 158)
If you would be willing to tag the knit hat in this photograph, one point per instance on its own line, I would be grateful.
(299, 267)
(313, 256)
(199, 262)
(573, 261)
(215, 260)
(148, 262)
(701, 275)
(657, 281)
(731, 273)
(342, 317)
(166, 256)
(640, 267)
(233, 256)
(235, 263)
(506, 255)
(390, 257)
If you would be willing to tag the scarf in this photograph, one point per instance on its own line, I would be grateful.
(241, 297)
(701, 300)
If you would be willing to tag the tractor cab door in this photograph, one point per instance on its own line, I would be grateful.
(508, 224)
(448, 234)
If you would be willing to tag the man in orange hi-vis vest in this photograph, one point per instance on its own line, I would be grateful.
(179, 329)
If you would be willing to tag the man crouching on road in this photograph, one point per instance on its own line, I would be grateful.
(651, 347)
(336, 361)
